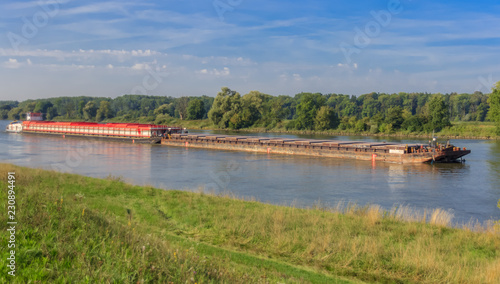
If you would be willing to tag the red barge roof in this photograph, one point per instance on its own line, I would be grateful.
(95, 124)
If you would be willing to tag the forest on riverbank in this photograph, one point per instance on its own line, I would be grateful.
(476, 115)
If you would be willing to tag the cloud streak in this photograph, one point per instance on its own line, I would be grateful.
(279, 47)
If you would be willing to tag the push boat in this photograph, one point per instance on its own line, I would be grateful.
(133, 132)
(15, 127)
(370, 151)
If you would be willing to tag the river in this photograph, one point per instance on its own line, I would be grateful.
(470, 191)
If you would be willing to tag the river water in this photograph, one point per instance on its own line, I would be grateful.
(470, 191)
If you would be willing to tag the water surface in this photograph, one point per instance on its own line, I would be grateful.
(469, 191)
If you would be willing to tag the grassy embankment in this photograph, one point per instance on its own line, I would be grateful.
(79, 229)
(458, 130)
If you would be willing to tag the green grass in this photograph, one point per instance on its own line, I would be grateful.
(80, 229)
(473, 129)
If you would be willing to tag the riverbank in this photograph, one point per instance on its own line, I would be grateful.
(458, 130)
(73, 228)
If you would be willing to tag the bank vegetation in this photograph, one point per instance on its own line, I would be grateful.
(474, 115)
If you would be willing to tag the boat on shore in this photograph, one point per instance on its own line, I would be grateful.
(129, 132)
(369, 151)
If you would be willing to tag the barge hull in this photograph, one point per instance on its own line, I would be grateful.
(124, 132)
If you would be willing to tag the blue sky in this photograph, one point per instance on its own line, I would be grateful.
(52, 48)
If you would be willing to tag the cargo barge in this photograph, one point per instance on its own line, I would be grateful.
(129, 132)
(370, 151)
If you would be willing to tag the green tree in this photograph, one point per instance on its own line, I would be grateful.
(326, 118)
(81, 105)
(226, 106)
(165, 109)
(438, 114)
(51, 113)
(360, 125)
(4, 111)
(307, 109)
(207, 102)
(195, 109)
(254, 108)
(104, 111)
(90, 110)
(43, 106)
(370, 104)
(28, 106)
(482, 111)
(494, 111)
(276, 109)
(70, 109)
(181, 107)
(414, 123)
(395, 117)
(347, 107)
(15, 113)
(38, 107)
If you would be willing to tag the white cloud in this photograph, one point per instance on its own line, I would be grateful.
(31, 4)
(297, 77)
(354, 66)
(216, 72)
(140, 66)
(12, 63)
(82, 54)
(115, 7)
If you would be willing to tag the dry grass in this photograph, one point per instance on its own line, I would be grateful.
(403, 244)
(440, 217)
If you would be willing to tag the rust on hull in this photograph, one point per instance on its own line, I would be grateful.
(369, 151)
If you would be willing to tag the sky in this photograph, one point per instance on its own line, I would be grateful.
(52, 48)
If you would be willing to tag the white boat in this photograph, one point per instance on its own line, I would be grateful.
(15, 127)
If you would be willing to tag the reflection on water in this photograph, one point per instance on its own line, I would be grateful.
(494, 161)
(470, 190)
(396, 178)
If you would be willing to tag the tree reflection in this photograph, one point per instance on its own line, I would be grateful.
(494, 160)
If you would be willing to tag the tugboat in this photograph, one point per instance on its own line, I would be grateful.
(15, 127)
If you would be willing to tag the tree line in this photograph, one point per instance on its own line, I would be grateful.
(373, 112)
(123, 108)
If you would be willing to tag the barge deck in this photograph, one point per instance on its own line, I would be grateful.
(369, 151)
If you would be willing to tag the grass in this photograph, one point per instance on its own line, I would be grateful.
(80, 229)
(473, 129)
